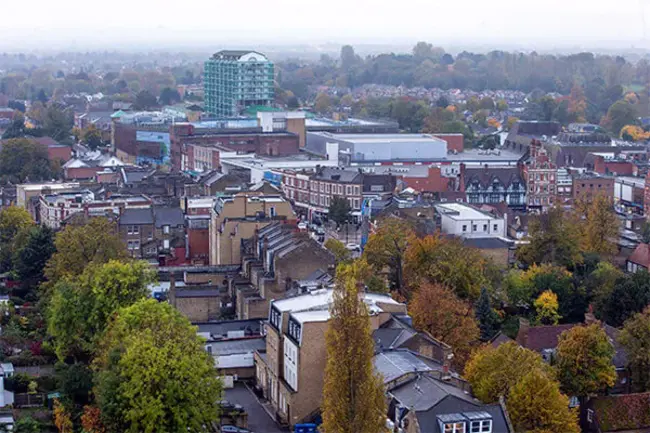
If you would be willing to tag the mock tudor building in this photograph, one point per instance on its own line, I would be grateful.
(492, 185)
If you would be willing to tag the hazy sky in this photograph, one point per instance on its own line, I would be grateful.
(544, 23)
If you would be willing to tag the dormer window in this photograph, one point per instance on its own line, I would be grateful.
(457, 427)
(484, 426)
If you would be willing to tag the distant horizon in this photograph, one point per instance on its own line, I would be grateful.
(141, 25)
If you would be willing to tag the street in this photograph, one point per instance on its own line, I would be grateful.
(259, 420)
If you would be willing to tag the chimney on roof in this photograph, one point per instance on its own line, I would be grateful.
(522, 335)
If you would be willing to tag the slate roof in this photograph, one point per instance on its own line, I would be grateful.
(505, 175)
(136, 217)
(240, 345)
(168, 216)
(487, 243)
(641, 255)
(542, 337)
(627, 412)
(500, 339)
(396, 363)
(425, 392)
(220, 329)
(345, 176)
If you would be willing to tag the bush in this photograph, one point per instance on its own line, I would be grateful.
(18, 383)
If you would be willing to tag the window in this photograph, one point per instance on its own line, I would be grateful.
(322, 187)
(484, 426)
(356, 190)
(165, 244)
(474, 227)
(485, 226)
(133, 245)
(590, 415)
(133, 230)
(166, 229)
(458, 427)
(327, 188)
(272, 209)
(356, 203)
(340, 189)
(348, 190)
(464, 228)
(496, 227)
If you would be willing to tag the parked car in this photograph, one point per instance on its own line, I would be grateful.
(353, 247)
(233, 429)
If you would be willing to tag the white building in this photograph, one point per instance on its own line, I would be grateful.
(468, 222)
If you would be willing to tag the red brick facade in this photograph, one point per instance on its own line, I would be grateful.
(455, 142)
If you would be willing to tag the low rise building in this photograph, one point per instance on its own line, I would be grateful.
(290, 372)
(469, 222)
(587, 185)
(493, 185)
(540, 175)
(238, 217)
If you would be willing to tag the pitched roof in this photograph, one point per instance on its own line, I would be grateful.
(486, 176)
(136, 217)
(500, 339)
(641, 255)
(168, 216)
(539, 338)
(347, 176)
(622, 412)
(397, 363)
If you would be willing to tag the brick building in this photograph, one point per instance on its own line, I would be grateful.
(290, 371)
(272, 260)
(540, 175)
(156, 234)
(587, 185)
(455, 142)
(238, 217)
(313, 192)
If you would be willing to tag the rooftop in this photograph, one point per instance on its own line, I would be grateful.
(459, 211)
(396, 363)
(321, 300)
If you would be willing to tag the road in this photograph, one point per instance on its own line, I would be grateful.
(258, 420)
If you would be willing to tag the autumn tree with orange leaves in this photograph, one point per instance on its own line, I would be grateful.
(438, 311)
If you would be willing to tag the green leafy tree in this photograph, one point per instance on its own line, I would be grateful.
(15, 223)
(336, 247)
(488, 319)
(153, 373)
(353, 393)
(631, 295)
(553, 238)
(620, 113)
(30, 260)
(79, 245)
(386, 248)
(92, 137)
(22, 159)
(635, 339)
(493, 372)
(169, 96)
(27, 424)
(339, 210)
(599, 226)
(79, 310)
(535, 404)
(17, 127)
(145, 100)
(58, 122)
(584, 361)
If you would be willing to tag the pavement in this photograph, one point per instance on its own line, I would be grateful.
(259, 420)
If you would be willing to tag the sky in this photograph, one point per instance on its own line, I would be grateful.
(137, 24)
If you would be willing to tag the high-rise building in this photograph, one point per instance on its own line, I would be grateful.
(234, 80)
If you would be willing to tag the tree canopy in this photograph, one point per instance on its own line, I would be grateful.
(353, 393)
(24, 159)
(635, 339)
(153, 373)
(339, 210)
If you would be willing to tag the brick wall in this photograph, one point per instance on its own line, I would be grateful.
(199, 243)
(454, 141)
(199, 309)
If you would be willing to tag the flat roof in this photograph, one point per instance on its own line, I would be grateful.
(312, 316)
(637, 181)
(321, 300)
(382, 138)
(464, 212)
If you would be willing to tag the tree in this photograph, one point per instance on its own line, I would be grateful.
(451, 321)
(58, 122)
(634, 133)
(386, 249)
(348, 57)
(153, 373)
(535, 404)
(27, 424)
(600, 284)
(62, 418)
(323, 103)
(493, 372)
(15, 222)
(599, 226)
(23, 159)
(584, 361)
(30, 260)
(144, 100)
(336, 247)
(487, 103)
(631, 295)
(448, 262)
(502, 105)
(339, 210)
(553, 238)
(620, 113)
(442, 102)
(91, 420)
(546, 306)
(79, 245)
(169, 96)
(353, 393)
(17, 127)
(92, 137)
(635, 339)
(79, 310)
(487, 318)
